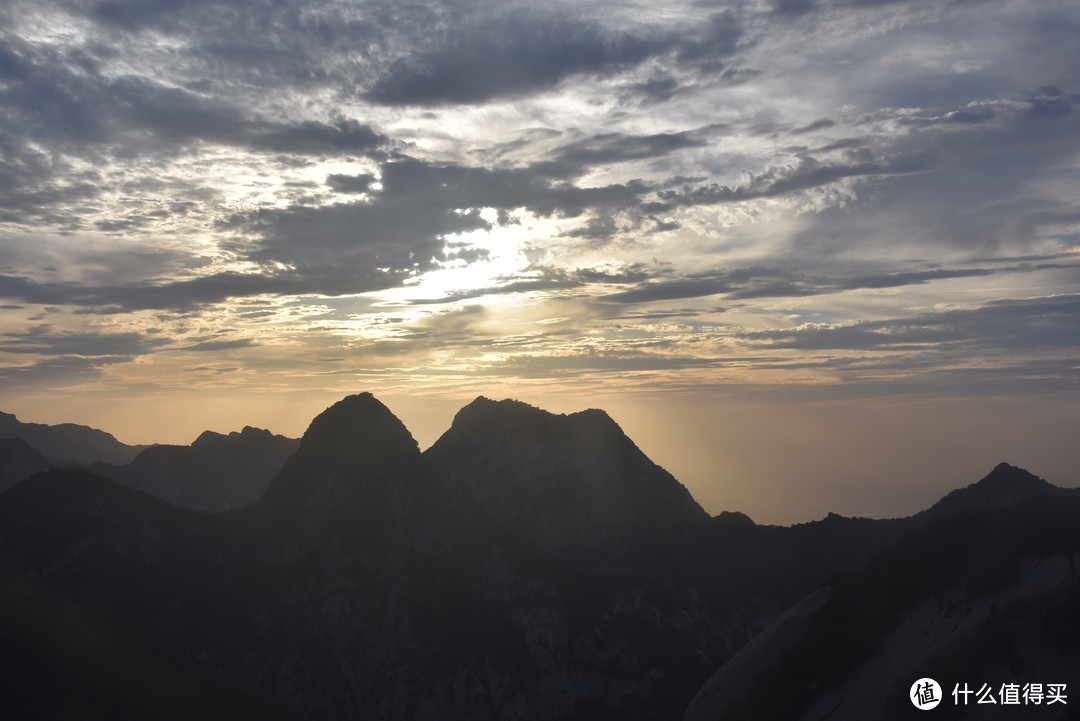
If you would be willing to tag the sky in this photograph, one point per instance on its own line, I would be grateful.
(812, 255)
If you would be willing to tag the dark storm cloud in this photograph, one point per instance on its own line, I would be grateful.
(999, 326)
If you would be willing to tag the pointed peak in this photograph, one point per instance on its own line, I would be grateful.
(1009, 476)
(358, 424)
(1003, 486)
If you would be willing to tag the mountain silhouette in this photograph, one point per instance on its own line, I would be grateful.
(217, 472)
(19, 460)
(987, 595)
(1004, 486)
(68, 443)
(528, 566)
(566, 481)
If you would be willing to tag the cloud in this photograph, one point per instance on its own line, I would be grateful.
(57, 371)
(477, 59)
(542, 278)
(719, 39)
(65, 99)
(45, 339)
(763, 282)
(753, 152)
(1001, 326)
(345, 248)
(806, 174)
(605, 149)
(62, 107)
(219, 345)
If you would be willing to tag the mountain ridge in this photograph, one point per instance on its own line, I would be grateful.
(528, 566)
(68, 443)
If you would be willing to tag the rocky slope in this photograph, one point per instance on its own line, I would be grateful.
(986, 595)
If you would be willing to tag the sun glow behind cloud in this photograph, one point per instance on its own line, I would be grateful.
(630, 203)
(473, 262)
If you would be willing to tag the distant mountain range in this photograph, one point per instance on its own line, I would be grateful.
(215, 473)
(68, 443)
(527, 566)
(982, 600)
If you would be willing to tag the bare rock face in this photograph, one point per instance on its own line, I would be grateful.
(984, 596)
(729, 687)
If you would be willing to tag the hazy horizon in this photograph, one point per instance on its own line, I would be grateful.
(742, 472)
(812, 255)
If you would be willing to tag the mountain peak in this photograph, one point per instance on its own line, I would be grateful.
(249, 435)
(354, 467)
(68, 442)
(483, 410)
(562, 479)
(1003, 486)
(358, 426)
(208, 438)
(1010, 480)
(484, 407)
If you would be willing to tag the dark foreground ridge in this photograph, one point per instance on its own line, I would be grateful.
(528, 566)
